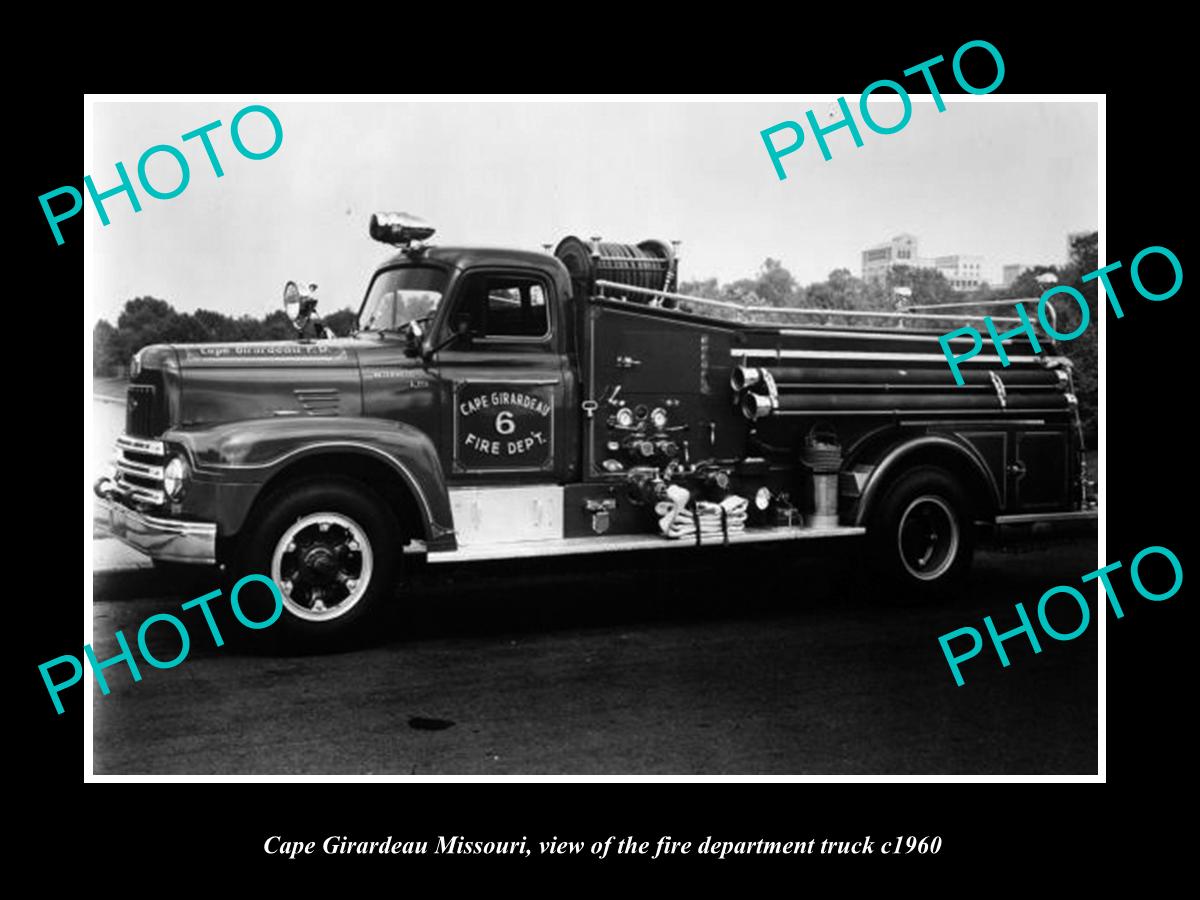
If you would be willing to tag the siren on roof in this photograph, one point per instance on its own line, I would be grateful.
(400, 229)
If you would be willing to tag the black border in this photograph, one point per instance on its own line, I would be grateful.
(1147, 418)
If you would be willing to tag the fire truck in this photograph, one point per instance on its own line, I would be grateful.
(505, 404)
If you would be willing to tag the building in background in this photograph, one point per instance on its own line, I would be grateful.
(877, 261)
(1011, 272)
(965, 273)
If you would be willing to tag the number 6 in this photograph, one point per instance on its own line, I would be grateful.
(505, 423)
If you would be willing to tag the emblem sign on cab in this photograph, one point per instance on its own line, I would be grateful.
(504, 428)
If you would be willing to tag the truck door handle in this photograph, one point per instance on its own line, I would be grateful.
(1017, 468)
(627, 362)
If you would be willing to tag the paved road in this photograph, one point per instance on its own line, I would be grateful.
(749, 663)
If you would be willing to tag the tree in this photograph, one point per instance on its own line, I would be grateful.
(927, 285)
(217, 326)
(1027, 285)
(189, 330)
(1084, 255)
(706, 288)
(277, 327)
(147, 320)
(342, 323)
(1084, 351)
(775, 285)
(105, 349)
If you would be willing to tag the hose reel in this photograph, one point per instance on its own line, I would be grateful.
(651, 264)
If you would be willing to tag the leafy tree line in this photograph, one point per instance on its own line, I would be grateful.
(148, 320)
(773, 286)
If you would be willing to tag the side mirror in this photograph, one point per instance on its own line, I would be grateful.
(291, 298)
(299, 300)
(300, 304)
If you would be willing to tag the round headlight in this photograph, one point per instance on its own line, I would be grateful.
(658, 418)
(625, 417)
(175, 475)
(762, 498)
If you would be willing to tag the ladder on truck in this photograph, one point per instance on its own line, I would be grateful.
(752, 314)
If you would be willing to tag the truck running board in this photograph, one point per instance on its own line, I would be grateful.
(1083, 515)
(623, 542)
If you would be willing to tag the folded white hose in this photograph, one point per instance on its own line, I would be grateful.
(701, 521)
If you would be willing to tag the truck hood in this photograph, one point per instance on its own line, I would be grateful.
(231, 382)
(270, 354)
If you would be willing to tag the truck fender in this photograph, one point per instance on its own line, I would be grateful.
(253, 453)
(893, 460)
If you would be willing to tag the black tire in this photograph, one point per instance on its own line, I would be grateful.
(922, 536)
(318, 539)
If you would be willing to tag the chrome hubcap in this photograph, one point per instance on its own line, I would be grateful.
(322, 565)
(928, 537)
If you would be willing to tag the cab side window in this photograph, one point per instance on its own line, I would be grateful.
(501, 307)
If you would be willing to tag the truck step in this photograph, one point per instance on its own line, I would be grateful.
(622, 542)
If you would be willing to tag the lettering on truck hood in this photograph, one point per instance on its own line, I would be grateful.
(270, 354)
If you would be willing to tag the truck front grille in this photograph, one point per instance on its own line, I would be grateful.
(140, 469)
(143, 411)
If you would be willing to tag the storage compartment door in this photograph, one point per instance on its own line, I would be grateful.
(1039, 470)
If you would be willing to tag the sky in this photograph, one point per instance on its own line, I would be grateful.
(1005, 180)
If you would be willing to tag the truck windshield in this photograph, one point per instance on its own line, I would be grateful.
(399, 296)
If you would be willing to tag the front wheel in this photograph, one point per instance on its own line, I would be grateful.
(332, 548)
(921, 534)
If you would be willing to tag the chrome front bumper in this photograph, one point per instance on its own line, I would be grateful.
(166, 539)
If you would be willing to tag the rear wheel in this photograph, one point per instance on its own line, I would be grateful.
(922, 534)
(332, 548)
